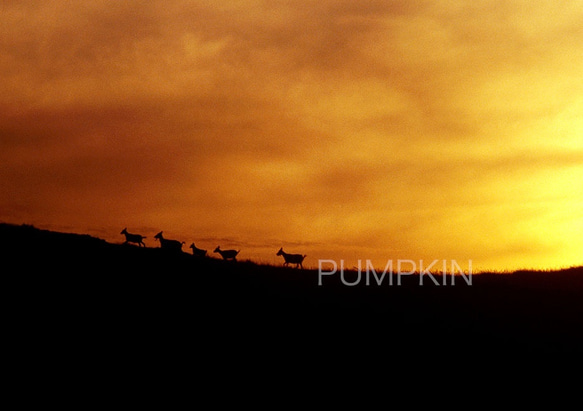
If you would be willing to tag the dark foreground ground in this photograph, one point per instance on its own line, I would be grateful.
(80, 294)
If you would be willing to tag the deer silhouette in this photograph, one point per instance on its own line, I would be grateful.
(169, 244)
(197, 252)
(296, 259)
(227, 254)
(133, 238)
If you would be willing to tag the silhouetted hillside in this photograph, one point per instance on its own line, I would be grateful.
(85, 284)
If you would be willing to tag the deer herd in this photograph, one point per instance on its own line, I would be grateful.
(231, 255)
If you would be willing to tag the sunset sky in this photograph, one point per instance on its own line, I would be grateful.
(334, 128)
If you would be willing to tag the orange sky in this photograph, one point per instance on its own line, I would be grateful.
(339, 129)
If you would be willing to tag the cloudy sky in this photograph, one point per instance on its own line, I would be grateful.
(339, 129)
